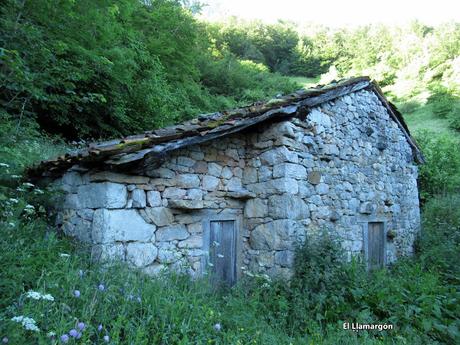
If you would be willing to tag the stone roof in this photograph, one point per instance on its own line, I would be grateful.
(121, 154)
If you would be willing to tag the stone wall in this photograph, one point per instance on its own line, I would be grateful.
(346, 165)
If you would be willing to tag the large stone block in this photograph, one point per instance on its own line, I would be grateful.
(186, 204)
(255, 208)
(102, 195)
(160, 216)
(120, 226)
(214, 169)
(296, 171)
(193, 242)
(154, 198)
(108, 252)
(319, 118)
(139, 198)
(287, 206)
(171, 233)
(188, 181)
(285, 185)
(279, 155)
(280, 234)
(284, 258)
(210, 183)
(141, 254)
(174, 193)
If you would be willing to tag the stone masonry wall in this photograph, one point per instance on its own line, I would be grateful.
(346, 165)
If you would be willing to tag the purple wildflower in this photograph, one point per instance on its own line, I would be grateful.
(81, 326)
(78, 335)
(99, 328)
(101, 287)
(76, 293)
(65, 338)
(5, 340)
(73, 333)
(217, 327)
(106, 338)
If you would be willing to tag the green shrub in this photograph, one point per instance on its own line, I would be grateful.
(441, 172)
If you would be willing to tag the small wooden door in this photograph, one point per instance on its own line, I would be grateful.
(376, 245)
(222, 251)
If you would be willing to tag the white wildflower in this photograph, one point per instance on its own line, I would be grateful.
(37, 295)
(27, 322)
(28, 184)
(64, 255)
(13, 200)
(265, 285)
(31, 207)
(4, 165)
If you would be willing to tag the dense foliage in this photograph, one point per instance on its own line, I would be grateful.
(99, 68)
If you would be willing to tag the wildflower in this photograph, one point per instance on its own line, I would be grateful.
(30, 207)
(76, 293)
(106, 338)
(217, 327)
(14, 201)
(27, 322)
(28, 184)
(99, 328)
(139, 299)
(101, 287)
(73, 333)
(4, 165)
(5, 339)
(19, 189)
(79, 334)
(51, 334)
(64, 255)
(65, 338)
(37, 295)
(81, 326)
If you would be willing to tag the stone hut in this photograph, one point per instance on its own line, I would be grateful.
(235, 191)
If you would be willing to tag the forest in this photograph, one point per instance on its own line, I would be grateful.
(76, 71)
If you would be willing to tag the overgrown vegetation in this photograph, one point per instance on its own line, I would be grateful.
(94, 69)
(99, 68)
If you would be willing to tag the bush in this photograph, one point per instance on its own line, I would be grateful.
(441, 172)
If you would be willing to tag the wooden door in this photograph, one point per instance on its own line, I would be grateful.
(376, 245)
(222, 251)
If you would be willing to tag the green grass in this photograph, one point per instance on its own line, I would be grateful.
(422, 118)
(305, 82)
